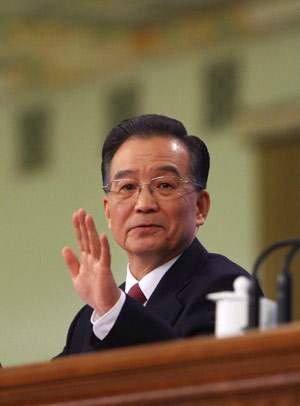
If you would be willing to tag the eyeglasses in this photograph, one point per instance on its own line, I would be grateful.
(160, 187)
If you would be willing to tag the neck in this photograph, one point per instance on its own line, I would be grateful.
(141, 266)
(144, 262)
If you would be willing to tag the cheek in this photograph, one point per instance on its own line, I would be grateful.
(179, 212)
(119, 216)
(185, 213)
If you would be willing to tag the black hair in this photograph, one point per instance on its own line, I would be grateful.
(148, 126)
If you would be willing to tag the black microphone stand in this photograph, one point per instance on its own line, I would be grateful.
(285, 292)
(253, 311)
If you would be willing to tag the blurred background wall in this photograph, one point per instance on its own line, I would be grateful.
(229, 70)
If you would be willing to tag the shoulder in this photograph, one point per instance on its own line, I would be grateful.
(223, 265)
(198, 259)
(78, 333)
(82, 317)
(209, 272)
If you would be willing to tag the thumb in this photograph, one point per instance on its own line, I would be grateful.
(71, 261)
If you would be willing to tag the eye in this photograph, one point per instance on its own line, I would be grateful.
(127, 186)
(164, 185)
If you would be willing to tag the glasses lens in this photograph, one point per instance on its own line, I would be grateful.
(162, 186)
(165, 185)
(124, 188)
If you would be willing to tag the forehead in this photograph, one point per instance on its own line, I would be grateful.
(151, 156)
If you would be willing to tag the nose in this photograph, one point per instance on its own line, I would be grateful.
(145, 201)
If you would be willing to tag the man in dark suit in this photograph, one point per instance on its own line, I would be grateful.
(154, 178)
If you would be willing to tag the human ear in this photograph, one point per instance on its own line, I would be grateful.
(107, 211)
(203, 205)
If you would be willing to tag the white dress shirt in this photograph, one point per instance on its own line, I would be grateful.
(102, 324)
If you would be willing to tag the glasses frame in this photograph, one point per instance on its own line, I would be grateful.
(107, 190)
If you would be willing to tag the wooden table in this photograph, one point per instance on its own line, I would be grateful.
(259, 368)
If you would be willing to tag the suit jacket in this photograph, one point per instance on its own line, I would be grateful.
(177, 308)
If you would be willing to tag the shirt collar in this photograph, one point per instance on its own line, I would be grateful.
(149, 282)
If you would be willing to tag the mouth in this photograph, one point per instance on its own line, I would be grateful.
(145, 227)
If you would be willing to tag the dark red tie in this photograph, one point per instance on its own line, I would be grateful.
(136, 293)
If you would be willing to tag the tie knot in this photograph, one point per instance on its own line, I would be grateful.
(136, 293)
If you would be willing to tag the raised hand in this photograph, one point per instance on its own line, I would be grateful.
(92, 277)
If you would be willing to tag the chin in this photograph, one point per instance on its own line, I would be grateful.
(143, 247)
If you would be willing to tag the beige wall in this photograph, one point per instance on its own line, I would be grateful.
(37, 298)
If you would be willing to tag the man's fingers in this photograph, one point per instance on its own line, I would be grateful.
(77, 230)
(71, 261)
(83, 231)
(105, 252)
(93, 236)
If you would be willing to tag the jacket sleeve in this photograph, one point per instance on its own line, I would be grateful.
(135, 325)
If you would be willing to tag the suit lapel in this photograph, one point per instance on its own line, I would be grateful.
(163, 300)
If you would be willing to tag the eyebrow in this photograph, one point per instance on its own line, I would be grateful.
(123, 173)
(165, 168)
(168, 168)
